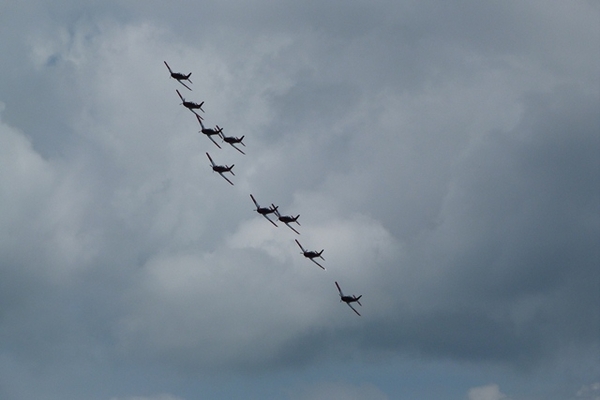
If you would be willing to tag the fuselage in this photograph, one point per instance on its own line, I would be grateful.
(351, 299)
(221, 168)
(232, 140)
(287, 219)
(312, 254)
(209, 132)
(190, 104)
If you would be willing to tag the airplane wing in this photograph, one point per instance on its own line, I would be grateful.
(211, 139)
(224, 177)
(275, 210)
(169, 68)
(211, 160)
(232, 145)
(199, 118)
(186, 86)
(267, 218)
(353, 309)
(318, 264)
(255, 203)
(339, 289)
(301, 248)
(197, 115)
(289, 226)
(179, 94)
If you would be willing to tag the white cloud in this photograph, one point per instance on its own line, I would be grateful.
(487, 392)
(339, 391)
(589, 392)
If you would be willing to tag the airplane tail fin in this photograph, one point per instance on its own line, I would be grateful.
(357, 300)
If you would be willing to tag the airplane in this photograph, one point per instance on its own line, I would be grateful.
(233, 141)
(311, 254)
(209, 131)
(265, 210)
(286, 219)
(179, 76)
(190, 105)
(349, 299)
(221, 168)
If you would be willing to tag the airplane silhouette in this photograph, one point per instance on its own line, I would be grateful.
(179, 77)
(349, 299)
(264, 210)
(190, 105)
(311, 254)
(233, 141)
(286, 219)
(221, 168)
(209, 132)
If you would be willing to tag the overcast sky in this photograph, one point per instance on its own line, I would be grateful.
(445, 155)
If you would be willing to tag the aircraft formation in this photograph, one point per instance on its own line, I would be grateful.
(272, 209)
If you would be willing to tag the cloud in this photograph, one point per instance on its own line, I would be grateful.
(339, 390)
(487, 392)
(591, 391)
(447, 167)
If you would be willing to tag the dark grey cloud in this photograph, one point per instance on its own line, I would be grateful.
(514, 253)
(445, 157)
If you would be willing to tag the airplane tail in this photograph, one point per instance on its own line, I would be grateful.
(357, 300)
(275, 210)
(187, 77)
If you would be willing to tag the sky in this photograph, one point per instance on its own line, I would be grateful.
(445, 155)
